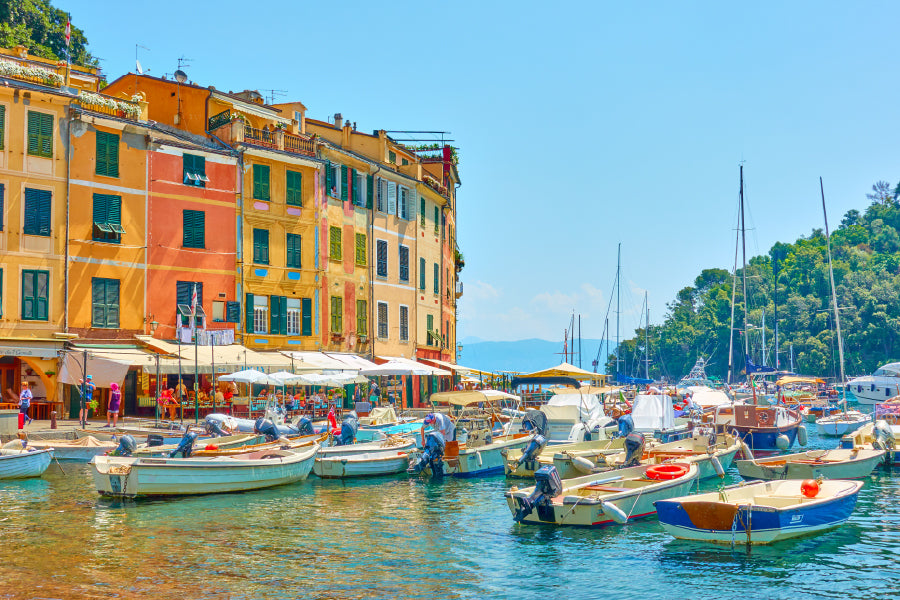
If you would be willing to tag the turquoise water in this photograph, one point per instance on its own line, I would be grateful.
(401, 538)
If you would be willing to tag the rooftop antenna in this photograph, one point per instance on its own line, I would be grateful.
(138, 68)
(272, 94)
(180, 77)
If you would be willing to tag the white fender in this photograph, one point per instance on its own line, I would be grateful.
(478, 456)
(802, 435)
(583, 465)
(782, 442)
(746, 452)
(614, 512)
(717, 465)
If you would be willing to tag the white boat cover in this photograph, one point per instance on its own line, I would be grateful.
(573, 407)
(707, 397)
(651, 413)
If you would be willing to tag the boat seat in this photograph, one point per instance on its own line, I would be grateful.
(606, 488)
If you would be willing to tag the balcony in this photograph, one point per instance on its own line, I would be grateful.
(299, 144)
(241, 132)
(459, 289)
(260, 137)
(108, 105)
(24, 71)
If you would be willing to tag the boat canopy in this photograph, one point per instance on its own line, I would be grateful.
(466, 398)
(707, 397)
(798, 379)
(573, 406)
(632, 380)
(542, 379)
(567, 370)
(888, 370)
(652, 412)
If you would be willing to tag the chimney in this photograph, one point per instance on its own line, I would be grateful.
(338, 120)
(354, 125)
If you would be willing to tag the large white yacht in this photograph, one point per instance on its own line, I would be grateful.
(877, 387)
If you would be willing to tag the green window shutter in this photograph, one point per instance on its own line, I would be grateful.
(2, 212)
(274, 320)
(248, 307)
(40, 134)
(329, 177)
(422, 274)
(354, 187)
(261, 182)
(437, 279)
(261, 246)
(370, 190)
(194, 229)
(232, 312)
(344, 185)
(112, 303)
(294, 255)
(2, 125)
(98, 302)
(107, 154)
(100, 208)
(429, 326)
(35, 295)
(422, 210)
(294, 184)
(437, 218)
(34, 128)
(37, 212)
(335, 243)
(306, 307)
(361, 318)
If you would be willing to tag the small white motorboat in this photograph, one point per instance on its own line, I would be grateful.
(761, 512)
(832, 464)
(130, 476)
(599, 499)
(369, 459)
(571, 460)
(18, 461)
(82, 449)
(842, 423)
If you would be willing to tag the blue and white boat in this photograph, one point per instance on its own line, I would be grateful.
(760, 513)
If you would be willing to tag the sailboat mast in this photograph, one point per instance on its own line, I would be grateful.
(618, 298)
(647, 341)
(744, 273)
(837, 316)
(731, 328)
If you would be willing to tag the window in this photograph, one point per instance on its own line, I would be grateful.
(261, 182)
(293, 251)
(278, 310)
(437, 279)
(392, 156)
(422, 274)
(370, 190)
(381, 251)
(437, 218)
(381, 196)
(218, 313)
(404, 161)
(403, 205)
(294, 194)
(333, 180)
(344, 183)
(337, 314)
(429, 327)
(294, 316)
(260, 314)
(404, 323)
(356, 192)
(194, 223)
(35, 295)
(361, 249)
(107, 154)
(2, 198)
(261, 246)
(2, 125)
(306, 304)
(232, 312)
(185, 300)
(391, 198)
(107, 218)
(104, 303)
(40, 134)
(194, 170)
(404, 263)
(37, 212)
(335, 243)
(422, 210)
(383, 320)
(362, 318)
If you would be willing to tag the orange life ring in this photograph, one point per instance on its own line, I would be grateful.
(667, 471)
(763, 417)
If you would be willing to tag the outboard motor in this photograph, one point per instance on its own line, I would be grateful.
(154, 439)
(432, 455)
(626, 425)
(547, 486)
(349, 427)
(634, 449)
(304, 426)
(884, 436)
(185, 446)
(126, 446)
(534, 447)
(266, 428)
(213, 428)
(535, 421)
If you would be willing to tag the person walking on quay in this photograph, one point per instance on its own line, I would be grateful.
(115, 399)
(25, 397)
(87, 395)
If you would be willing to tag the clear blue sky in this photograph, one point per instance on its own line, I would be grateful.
(580, 125)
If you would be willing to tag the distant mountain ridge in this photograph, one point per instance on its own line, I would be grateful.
(525, 355)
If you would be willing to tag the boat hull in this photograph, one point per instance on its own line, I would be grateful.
(833, 464)
(131, 477)
(755, 520)
(864, 438)
(373, 464)
(836, 425)
(25, 464)
(480, 461)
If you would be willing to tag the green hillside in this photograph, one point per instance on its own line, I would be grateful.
(41, 28)
(866, 256)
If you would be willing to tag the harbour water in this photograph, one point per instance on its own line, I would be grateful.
(402, 538)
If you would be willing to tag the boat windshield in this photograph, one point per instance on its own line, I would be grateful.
(889, 370)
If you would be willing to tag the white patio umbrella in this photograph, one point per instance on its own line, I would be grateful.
(397, 368)
(248, 376)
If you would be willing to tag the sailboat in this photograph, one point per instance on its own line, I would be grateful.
(845, 421)
(763, 428)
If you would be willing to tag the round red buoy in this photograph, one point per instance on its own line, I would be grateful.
(809, 488)
(211, 447)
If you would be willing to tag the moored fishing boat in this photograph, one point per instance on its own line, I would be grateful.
(130, 476)
(80, 449)
(228, 442)
(571, 460)
(842, 423)
(713, 455)
(18, 462)
(833, 464)
(760, 513)
(883, 433)
(762, 428)
(599, 499)
(386, 461)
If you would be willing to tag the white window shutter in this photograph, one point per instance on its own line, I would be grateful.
(392, 198)
(338, 182)
(412, 203)
(379, 194)
(401, 208)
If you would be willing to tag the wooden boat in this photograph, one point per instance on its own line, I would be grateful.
(759, 513)
(833, 464)
(18, 463)
(599, 499)
(237, 443)
(762, 428)
(712, 460)
(565, 457)
(883, 433)
(391, 458)
(128, 477)
(81, 449)
(841, 423)
(296, 443)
